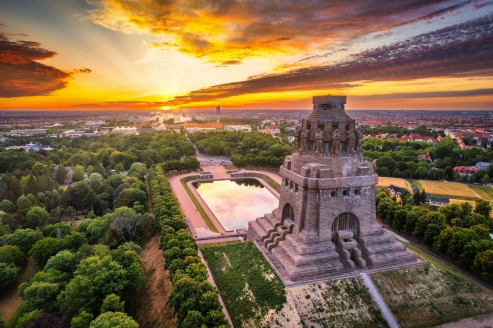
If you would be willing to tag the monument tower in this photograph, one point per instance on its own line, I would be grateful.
(325, 222)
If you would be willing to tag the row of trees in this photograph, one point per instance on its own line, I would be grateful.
(455, 230)
(194, 299)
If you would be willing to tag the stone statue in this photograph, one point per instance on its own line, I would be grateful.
(336, 141)
(304, 140)
(350, 141)
(296, 139)
(318, 141)
(359, 140)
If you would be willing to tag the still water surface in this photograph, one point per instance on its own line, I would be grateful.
(235, 202)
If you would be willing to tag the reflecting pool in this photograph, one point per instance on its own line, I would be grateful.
(235, 202)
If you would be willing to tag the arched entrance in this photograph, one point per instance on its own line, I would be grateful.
(346, 221)
(287, 213)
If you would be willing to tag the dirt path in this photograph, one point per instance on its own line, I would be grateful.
(153, 311)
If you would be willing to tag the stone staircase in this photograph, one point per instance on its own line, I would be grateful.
(382, 250)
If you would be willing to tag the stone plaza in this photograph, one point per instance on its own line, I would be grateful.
(325, 224)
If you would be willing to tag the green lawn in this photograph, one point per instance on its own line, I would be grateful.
(248, 285)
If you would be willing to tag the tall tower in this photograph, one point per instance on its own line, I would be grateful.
(325, 222)
(218, 110)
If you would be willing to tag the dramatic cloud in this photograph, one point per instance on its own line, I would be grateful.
(83, 70)
(20, 73)
(232, 30)
(461, 50)
(435, 94)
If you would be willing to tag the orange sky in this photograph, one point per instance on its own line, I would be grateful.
(155, 54)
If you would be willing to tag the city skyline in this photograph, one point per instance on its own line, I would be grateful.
(120, 54)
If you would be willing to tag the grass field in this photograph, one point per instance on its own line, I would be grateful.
(484, 191)
(204, 215)
(454, 190)
(426, 296)
(384, 182)
(248, 285)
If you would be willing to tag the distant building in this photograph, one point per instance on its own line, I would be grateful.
(438, 201)
(30, 146)
(395, 191)
(273, 129)
(192, 127)
(125, 130)
(244, 128)
(27, 132)
(482, 165)
(93, 124)
(218, 110)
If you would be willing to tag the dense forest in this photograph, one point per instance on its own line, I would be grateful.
(88, 272)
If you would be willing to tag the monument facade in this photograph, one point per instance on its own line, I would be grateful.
(325, 224)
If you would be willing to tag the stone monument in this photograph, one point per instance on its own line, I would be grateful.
(325, 223)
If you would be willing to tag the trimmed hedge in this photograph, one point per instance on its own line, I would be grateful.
(194, 299)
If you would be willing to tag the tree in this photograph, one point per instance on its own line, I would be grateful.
(52, 230)
(443, 239)
(113, 319)
(7, 206)
(12, 254)
(36, 217)
(112, 303)
(73, 241)
(64, 261)
(484, 264)
(127, 226)
(44, 249)
(23, 205)
(61, 174)
(485, 179)
(8, 276)
(459, 240)
(42, 295)
(420, 228)
(475, 219)
(82, 320)
(137, 170)
(482, 207)
(22, 238)
(400, 217)
(46, 320)
(94, 278)
(193, 319)
(95, 180)
(432, 230)
(129, 196)
(465, 210)
(79, 172)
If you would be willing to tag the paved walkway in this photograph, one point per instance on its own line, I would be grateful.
(380, 302)
(200, 228)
